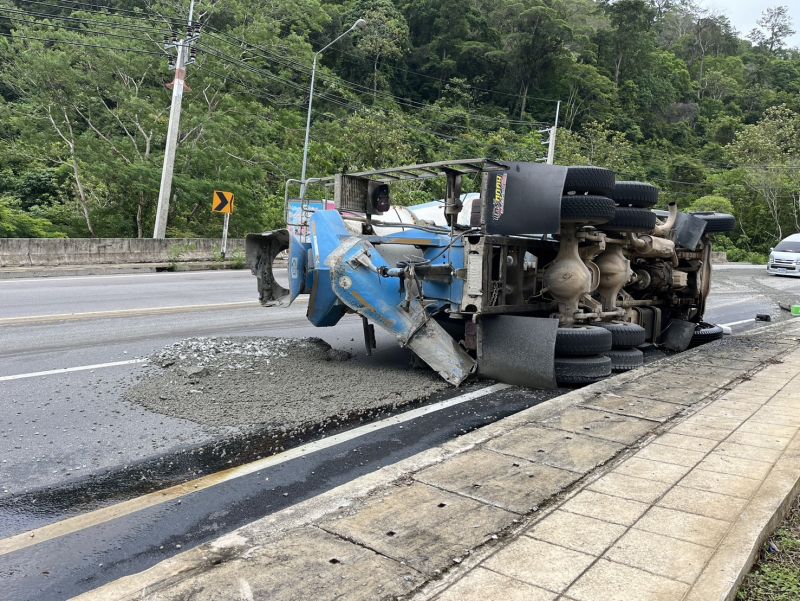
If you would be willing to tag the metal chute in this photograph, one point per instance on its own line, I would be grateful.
(261, 250)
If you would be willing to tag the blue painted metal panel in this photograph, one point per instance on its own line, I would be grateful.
(327, 233)
(298, 254)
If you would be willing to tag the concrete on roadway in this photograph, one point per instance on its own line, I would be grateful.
(68, 424)
(655, 485)
(63, 380)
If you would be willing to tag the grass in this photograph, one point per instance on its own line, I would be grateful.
(776, 575)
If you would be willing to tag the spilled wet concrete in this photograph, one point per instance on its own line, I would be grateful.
(278, 383)
(257, 395)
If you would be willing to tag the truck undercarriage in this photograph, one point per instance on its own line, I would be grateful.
(548, 275)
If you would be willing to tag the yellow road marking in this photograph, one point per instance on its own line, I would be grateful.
(106, 514)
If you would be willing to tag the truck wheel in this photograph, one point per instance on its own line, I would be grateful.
(625, 359)
(630, 219)
(705, 332)
(582, 370)
(586, 209)
(635, 194)
(591, 180)
(582, 341)
(625, 335)
(717, 222)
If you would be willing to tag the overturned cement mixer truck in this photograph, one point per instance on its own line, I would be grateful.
(548, 275)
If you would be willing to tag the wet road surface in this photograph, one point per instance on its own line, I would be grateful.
(101, 550)
(58, 428)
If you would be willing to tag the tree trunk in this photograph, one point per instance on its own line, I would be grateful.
(82, 195)
(76, 171)
(523, 100)
(139, 215)
(375, 79)
(795, 208)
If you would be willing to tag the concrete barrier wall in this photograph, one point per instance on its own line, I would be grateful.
(32, 252)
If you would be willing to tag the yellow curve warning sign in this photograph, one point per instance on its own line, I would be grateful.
(222, 202)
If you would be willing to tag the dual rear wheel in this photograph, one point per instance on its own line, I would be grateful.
(586, 354)
(592, 196)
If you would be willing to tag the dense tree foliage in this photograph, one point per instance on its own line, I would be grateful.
(656, 89)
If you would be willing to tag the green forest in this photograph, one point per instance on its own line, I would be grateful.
(658, 90)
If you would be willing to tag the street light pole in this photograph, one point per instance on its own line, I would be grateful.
(360, 24)
(308, 130)
(551, 146)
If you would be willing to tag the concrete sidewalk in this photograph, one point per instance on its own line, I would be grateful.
(655, 485)
(681, 518)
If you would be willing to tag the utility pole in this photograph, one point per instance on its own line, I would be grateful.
(551, 145)
(186, 53)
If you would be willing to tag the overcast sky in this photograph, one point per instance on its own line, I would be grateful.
(744, 13)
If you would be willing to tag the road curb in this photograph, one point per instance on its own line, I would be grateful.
(740, 548)
(14, 273)
(335, 511)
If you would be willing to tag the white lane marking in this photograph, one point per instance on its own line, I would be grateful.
(724, 266)
(123, 312)
(165, 276)
(756, 298)
(106, 514)
(738, 323)
(66, 370)
(139, 312)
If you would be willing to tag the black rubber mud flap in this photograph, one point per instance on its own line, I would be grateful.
(688, 231)
(518, 350)
(679, 335)
(526, 199)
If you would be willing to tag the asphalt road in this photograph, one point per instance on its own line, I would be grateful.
(56, 428)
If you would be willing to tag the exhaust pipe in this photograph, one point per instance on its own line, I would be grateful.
(662, 230)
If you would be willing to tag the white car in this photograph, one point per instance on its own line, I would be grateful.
(784, 259)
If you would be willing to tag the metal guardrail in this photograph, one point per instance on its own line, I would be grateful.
(423, 171)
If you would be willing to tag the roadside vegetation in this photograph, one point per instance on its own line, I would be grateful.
(776, 576)
(658, 90)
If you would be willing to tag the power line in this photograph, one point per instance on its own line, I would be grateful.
(136, 14)
(339, 101)
(444, 81)
(336, 99)
(285, 128)
(258, 93)
(79, 29)
(409, 103)
(229, 59)
(304, 68)
(85, 21)
(71, 43)
(103, 9)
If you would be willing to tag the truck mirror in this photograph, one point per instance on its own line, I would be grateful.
(379, 200)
